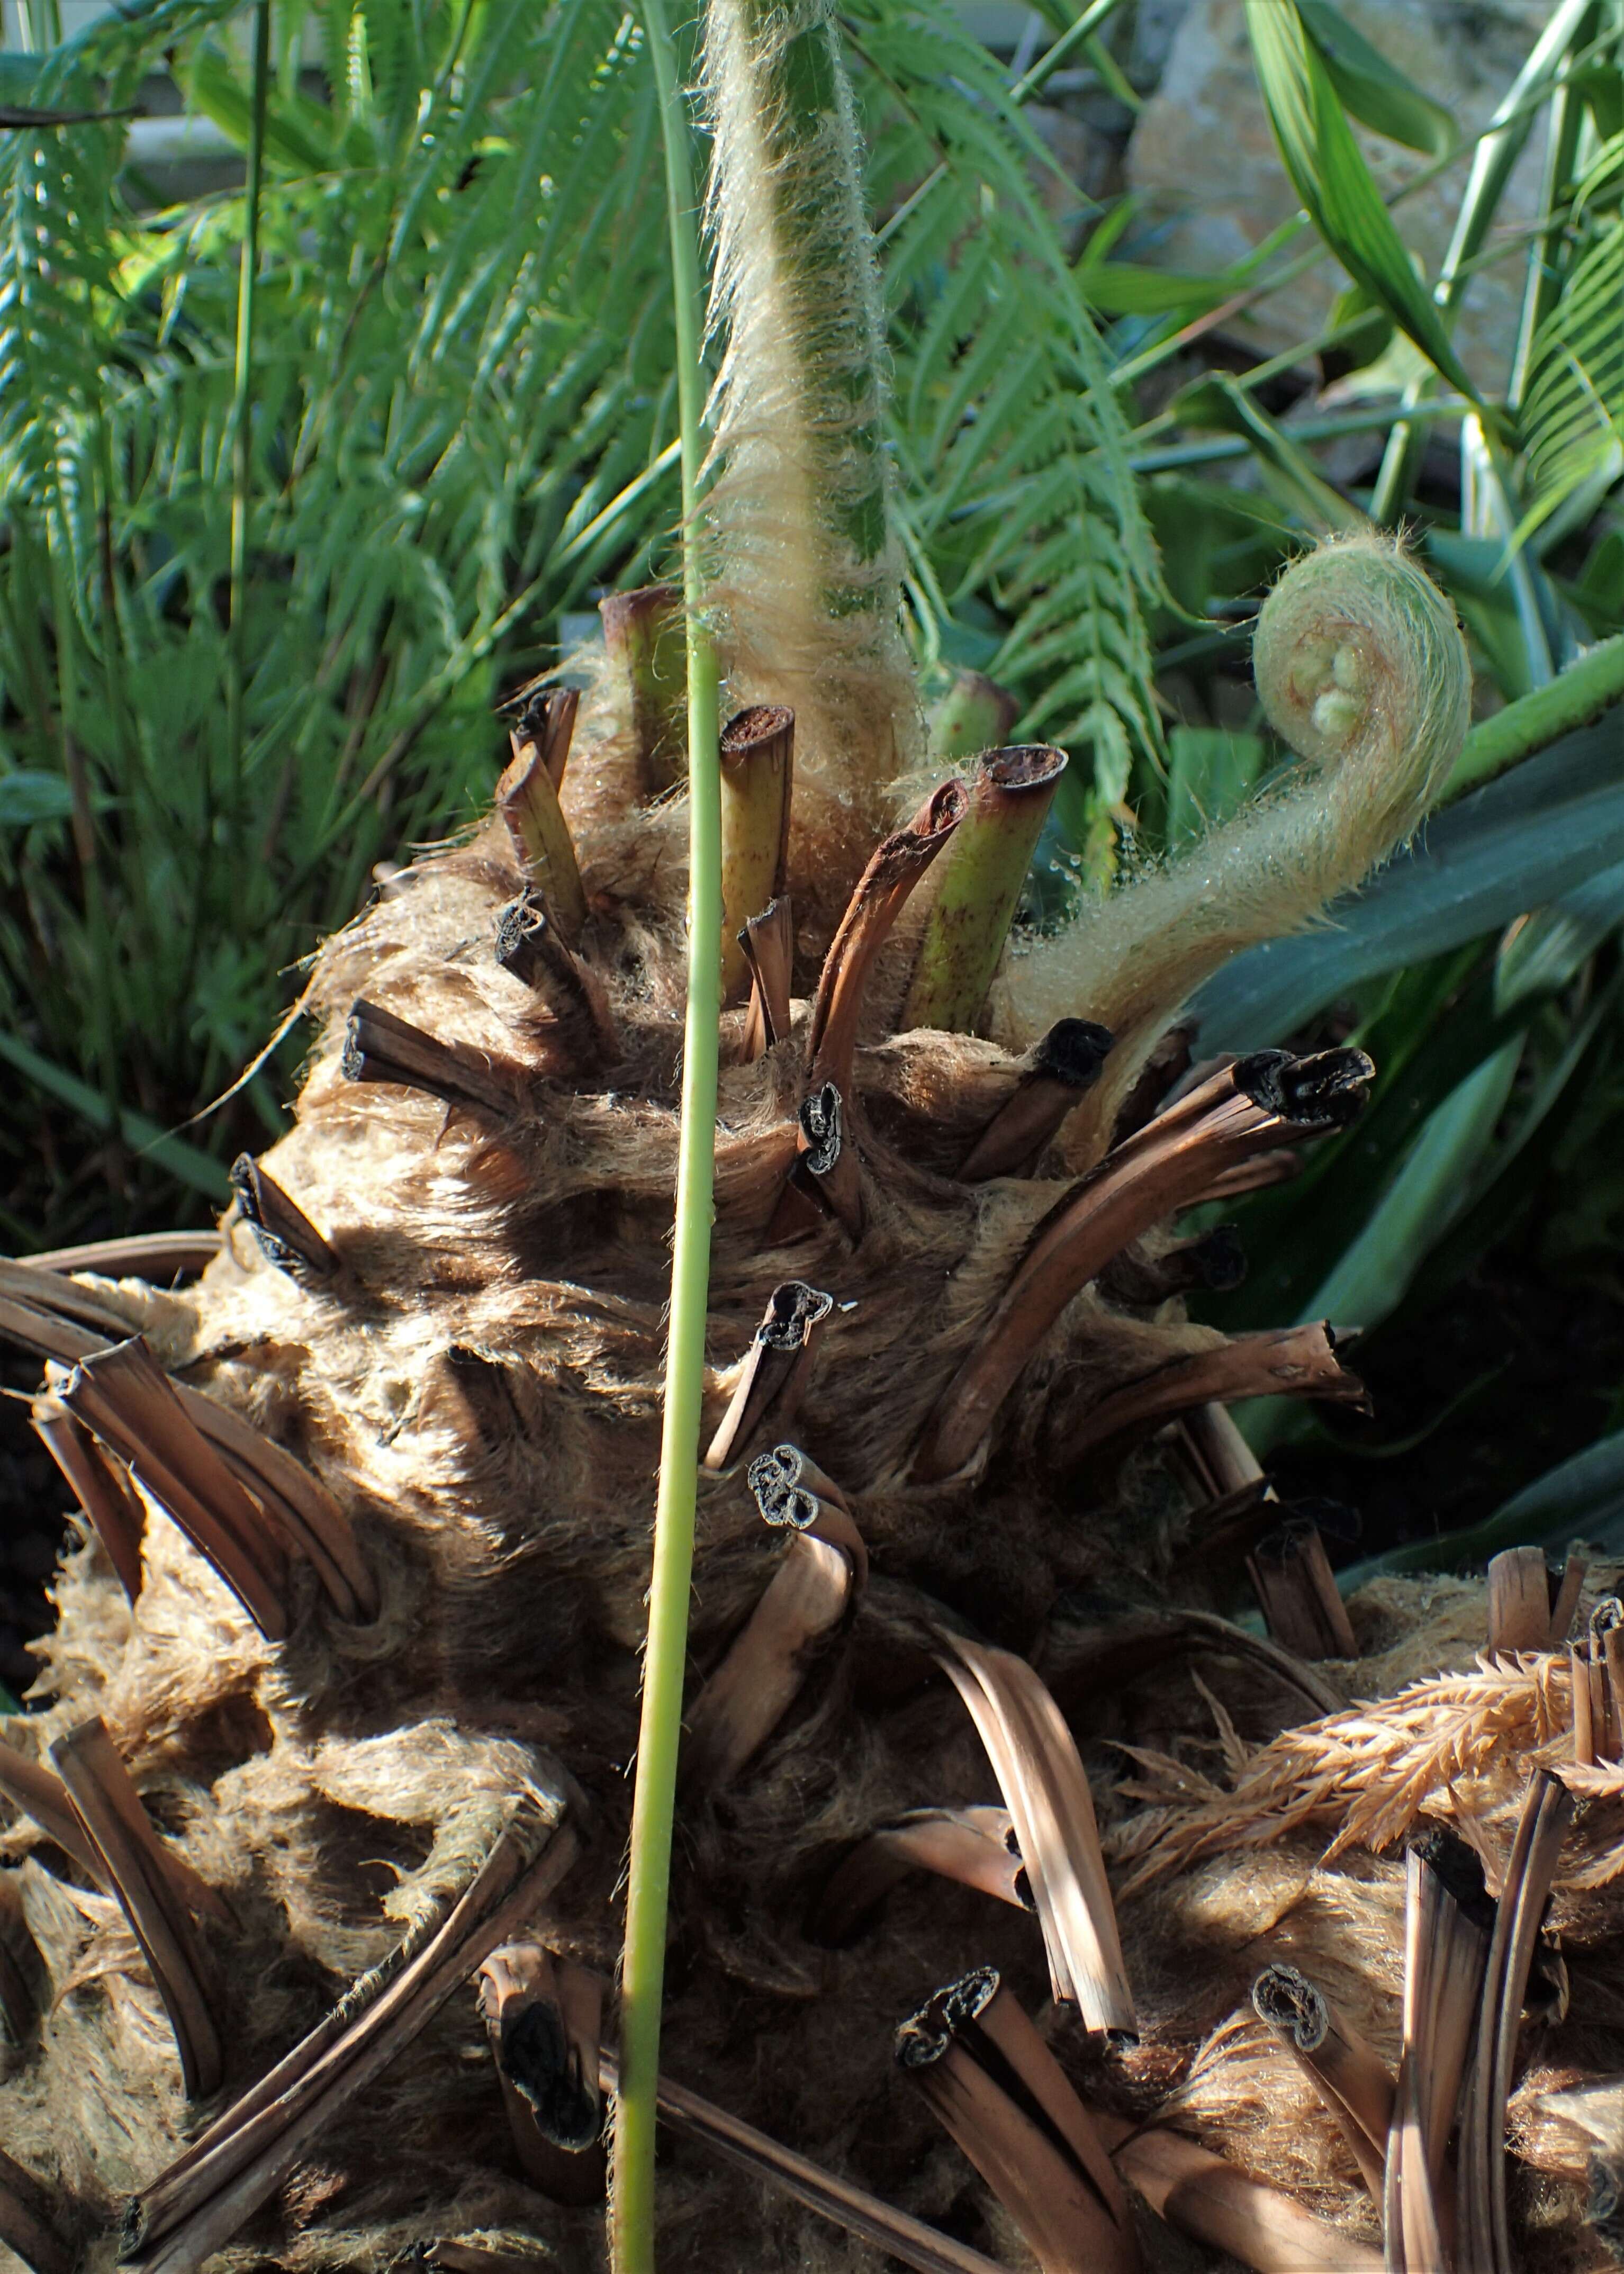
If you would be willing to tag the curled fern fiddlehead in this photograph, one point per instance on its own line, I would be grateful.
(1363, 670)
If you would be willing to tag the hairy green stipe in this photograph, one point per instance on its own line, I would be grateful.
(1363, 670)
(805, 565)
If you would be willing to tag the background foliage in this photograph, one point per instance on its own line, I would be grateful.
(459, 425)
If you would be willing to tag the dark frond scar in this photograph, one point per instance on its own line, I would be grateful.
(792, 1311)
(1289, 2001)
(1458, 1870)
(380, 1047)
(535, 2054)
(1063, 1068)
(821, 1117)
(775, 1369)
(773, 1478)
(286, 1235)
(926, 2036)
(1330, 1086)
(544, 2016)
(542, 719)
(1213, 1261)
(1604, 2209)
(1074, 1051)
(530, 947)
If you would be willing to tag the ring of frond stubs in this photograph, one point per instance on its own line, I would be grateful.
(432, 1350)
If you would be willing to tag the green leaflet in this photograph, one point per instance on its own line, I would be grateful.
(1330, 175)
(184, 1161)
(1580, 1499)
(1375, 93)
(1573, 404)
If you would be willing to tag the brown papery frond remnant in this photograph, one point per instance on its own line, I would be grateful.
(774, 1371)
(544, 2020)
(977, 1847)
(99, 1485)
(994, 2084)
(530, 948)
(757, 750)
(544, 718)
(1237, 1112)
(1351, 2079)
(211, 2190)
(1485, 2225)
(1131, 1639)
(140, 1873)
(891, 2232)
(1368, 1772)
(1302, 1603)
(1570, 1588)
(1219, 1465)
(380, 1047)
(1290, 1362)
(1206, 2198)
(287, 1237)
(1060, 1070)
(527, 799)
(298, 1508)
(827, 1147)
(42, 1796)
(1519, 1600)
(1034, 1759)
(1447, 1920)
(27, 2226)
(154, 1255)
(125, 1398)
(809, 1600)
(767, 942)
(21, 1968)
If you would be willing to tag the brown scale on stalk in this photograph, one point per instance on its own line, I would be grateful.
(344, 1687)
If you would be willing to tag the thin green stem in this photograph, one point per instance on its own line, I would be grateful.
(242, 407)
(631, 2220)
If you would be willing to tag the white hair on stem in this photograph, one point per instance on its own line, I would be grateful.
(805, 565)
(1362, 669)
